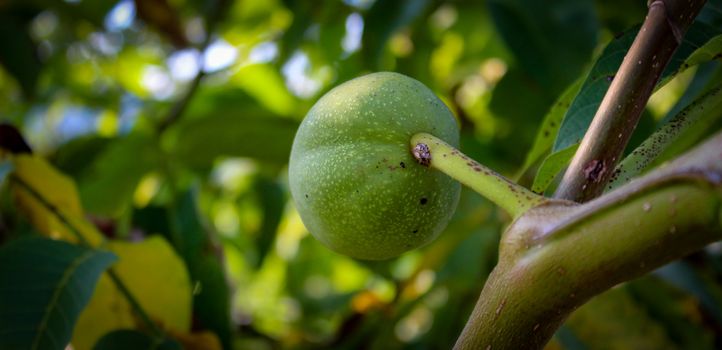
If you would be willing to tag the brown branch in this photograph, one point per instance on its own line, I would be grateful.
(180, 106)
(620, 110)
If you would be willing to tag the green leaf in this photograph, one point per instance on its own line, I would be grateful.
(709, 51)
(550, 126)
(81, 11)
(552, 165)
(302, 19)
(265, 83)
(108, 187)
(585, 104)
(703, 287)
(234, 133)
(522, 118)
(613, 320)
(382, 20)
(676, 311)
(130, 339)
(17, 52)
(704, 77)
(551, 40)
(620, 15)
(272, 201)
(678, 135)
(78, 155)
(211, 304)
(44, 285)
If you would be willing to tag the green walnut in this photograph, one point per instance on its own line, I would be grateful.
(357, 186)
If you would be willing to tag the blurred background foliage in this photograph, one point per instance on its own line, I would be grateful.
(166, 126)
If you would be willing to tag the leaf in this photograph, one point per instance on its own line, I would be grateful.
(302, 19)
(678, 135)
(44, 285)
(108, 186)
(78, 155)
(129, 339)
(230, 133)
(620, 15)
(181, 225)
(522, 118)
(552, 165)
(704, 77)
(709, 51)
(81, 11)
(17, 52)
(57, 190)
(613, 320)
(203, 340)
(585, 104)
(382, 20)
(211, 303)
(704, 288)
(551, 40)
(272, 202)
(158, 279)
(711, 13)
(550, 126)
(266, 85)
(678, 312)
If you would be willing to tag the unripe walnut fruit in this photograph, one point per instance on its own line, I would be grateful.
(353, 178)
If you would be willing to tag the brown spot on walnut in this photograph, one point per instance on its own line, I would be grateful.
(422, 154)
(594, 170)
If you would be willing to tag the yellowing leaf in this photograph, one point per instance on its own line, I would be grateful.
(57, 190)
(155, 275)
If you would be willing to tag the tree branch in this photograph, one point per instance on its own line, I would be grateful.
(179, 107)
(618, 115)
(560, 254)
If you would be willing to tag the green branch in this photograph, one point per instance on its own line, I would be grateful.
(127, 294)
(558, 255)
(432, 151)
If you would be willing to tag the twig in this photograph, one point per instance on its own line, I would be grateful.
(179, 107)
(617, 116)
